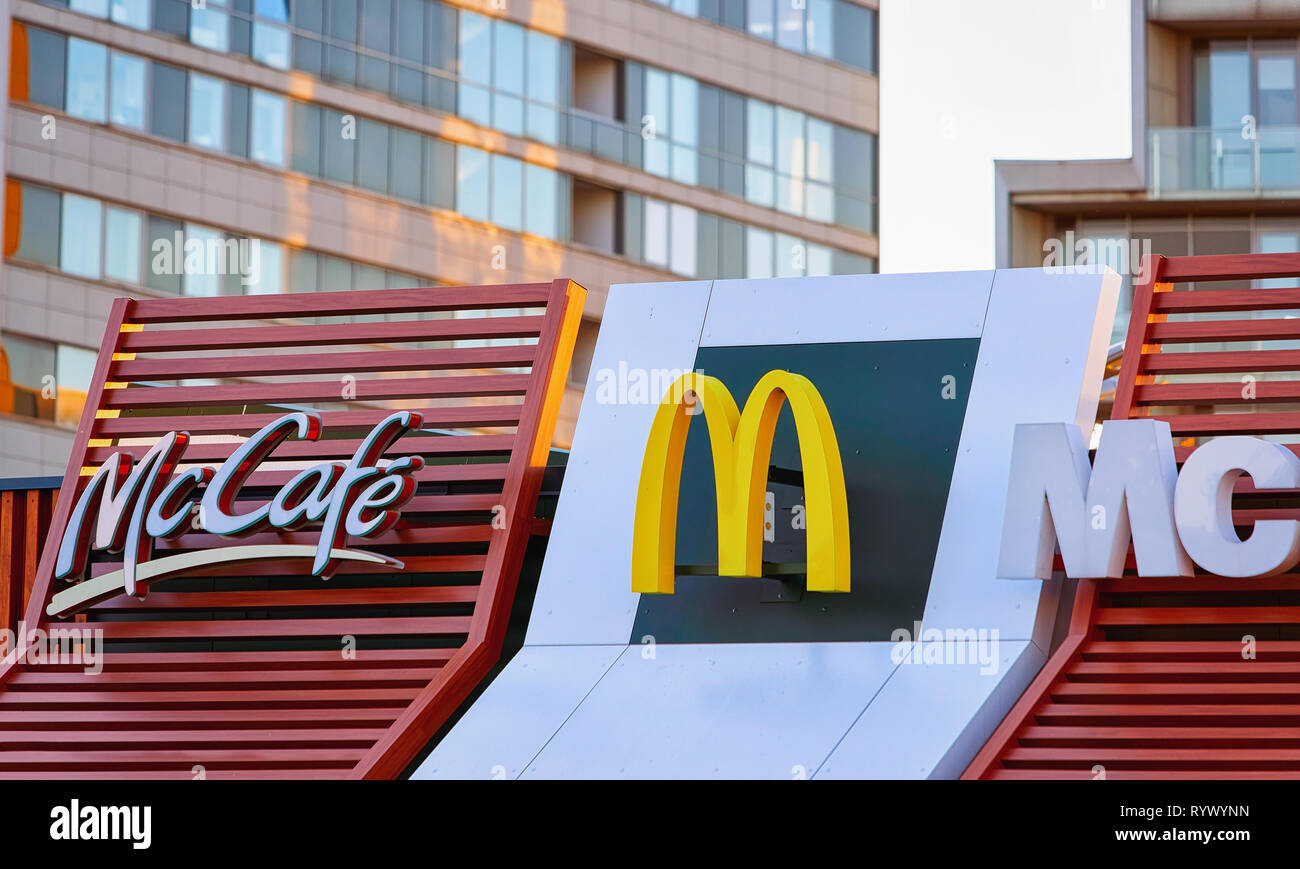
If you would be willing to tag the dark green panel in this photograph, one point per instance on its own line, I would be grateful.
(898, 437)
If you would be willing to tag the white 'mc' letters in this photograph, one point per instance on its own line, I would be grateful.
(1053, 493)
(1174, 519)
(1203, 507)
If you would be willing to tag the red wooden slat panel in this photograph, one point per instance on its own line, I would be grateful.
(201, 686)
(1157, 677)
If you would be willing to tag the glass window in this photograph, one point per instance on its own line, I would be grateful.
(207, 112)
(132, 13)
(377, 38)
(789, 24)
(167, 102)
(408, 78)
(47, 65)
(440, 178)
(656, 150)
(656, 233)
(541, 200)
(339, 133)
(97, 8)
(87, 77)
(74, 368)
(760, 19)
(820, 26)
(759, 138)
(474, 98)
(404, 165)
(685, 128)
(127, 103)
(507, 192)
(302, 272)
(81, 234)
(341, 62)
(122, 245)
(789, 160)
(166, 254)
(543, 87)
(173, 18)
(268, 128)
(266, 261)
(335, 273)
(508, 78)
(472, 185)
(372, 149)
(271, 40)
(26, 366)
(819, 260)
(683, 241)
(209, 25)
(854, 39)
(1223, 85)
(791, 256)
(306, 120)
(38, 228)
(758, 253)
(206, 261)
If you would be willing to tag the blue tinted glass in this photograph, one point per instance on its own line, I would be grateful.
(87, 76)
(472, 183)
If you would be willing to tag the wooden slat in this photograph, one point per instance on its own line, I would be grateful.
(100, 739)
(1245, 299)
(173, 757)
(214, 698)
(441, 626)
(422, 299)
(1222, 361)
(255, 680)
(1220, 615)
(477, 445)
(357, 362)
(254, 337)
(386, 389)
(1231, 267)
(121, 717)
(1218, 393)
(316, 597)
(334, 422)
(1223, 330)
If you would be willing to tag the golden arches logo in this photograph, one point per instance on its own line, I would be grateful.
(742, 450)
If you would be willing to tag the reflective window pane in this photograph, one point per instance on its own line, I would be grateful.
(97, 8)
(507, 192)
(122, 245)
(209, 26)
(87, 76)
(541, 201)
(819, 30)
(38, 231)
(267, 145)
(472, 183)
(683, 240)
(760, 18)
(207, 112)
(167, 102)
(80, 236)
(271, 45)
(74, 368)
(166, 253)
(656, 233)
(758, 253)
(27, 371)
(206, 260)
(132, 13)
(266, 268)
(127, 97)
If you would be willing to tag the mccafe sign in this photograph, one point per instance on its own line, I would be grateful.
(126, 506)
(1134, 491)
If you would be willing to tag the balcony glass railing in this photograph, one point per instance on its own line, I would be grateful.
(1186, 161)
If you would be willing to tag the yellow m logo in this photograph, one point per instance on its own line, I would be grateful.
(742, 450)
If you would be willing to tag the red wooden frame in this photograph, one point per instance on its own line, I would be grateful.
(252, 700)
(1171, 703)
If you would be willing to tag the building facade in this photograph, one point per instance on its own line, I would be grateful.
(159, 148)
(1216, 151)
